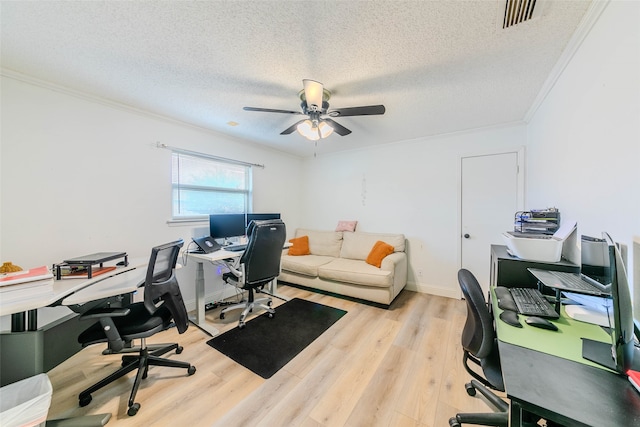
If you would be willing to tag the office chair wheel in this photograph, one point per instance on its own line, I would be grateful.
(221, 316)
(133, 409)
(270, 315)
(85, 400)
(471, 390)
(179, 349)
(191, 370)
(453, 422)
(241, 325)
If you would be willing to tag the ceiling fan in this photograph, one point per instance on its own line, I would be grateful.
(315, 104)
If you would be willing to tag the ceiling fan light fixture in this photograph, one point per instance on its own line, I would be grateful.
(324, 129)
(313, 131)
(313, 94)
(307, 130)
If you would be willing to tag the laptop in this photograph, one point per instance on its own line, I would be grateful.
(207, 244)
(571, 282)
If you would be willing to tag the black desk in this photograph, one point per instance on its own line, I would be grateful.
(509, 271)
(561, 390)
(544, 374)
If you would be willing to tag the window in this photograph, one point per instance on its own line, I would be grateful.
(203, 186)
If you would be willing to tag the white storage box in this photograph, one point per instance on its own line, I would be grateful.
(25, 403)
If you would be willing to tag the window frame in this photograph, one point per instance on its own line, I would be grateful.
(176, 187)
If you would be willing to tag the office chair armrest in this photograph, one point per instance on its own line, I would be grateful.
(98, 313)
(233, 269)
(106, 315)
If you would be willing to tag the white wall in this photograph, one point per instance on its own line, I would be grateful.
(584, 140)
(80, 177)
(409, 187)
(583, 153)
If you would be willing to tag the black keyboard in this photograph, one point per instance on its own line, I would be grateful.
(235, 248)
(531, 302)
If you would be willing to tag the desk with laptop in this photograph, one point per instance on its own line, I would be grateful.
(561, 368)
(217, 257)
(218, 249)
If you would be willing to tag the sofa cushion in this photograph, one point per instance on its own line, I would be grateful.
(356, 272)
(358, 245)
(299, 246)
(346, 226)
(324, 243)
(378, 252)
(307, 265)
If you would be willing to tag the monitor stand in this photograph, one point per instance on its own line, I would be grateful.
(600, 353)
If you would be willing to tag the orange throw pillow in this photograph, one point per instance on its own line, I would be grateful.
(378, 252)
(300, 246)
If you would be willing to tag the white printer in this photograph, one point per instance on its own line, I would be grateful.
(542, 247)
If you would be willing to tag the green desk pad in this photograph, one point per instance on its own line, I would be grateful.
(566, 342)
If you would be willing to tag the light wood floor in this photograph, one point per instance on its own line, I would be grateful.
(374, 367)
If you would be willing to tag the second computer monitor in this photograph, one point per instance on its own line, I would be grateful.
(261, 217)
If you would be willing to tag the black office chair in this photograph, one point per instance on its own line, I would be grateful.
(258, 265)
(480, 347)
(162, 308)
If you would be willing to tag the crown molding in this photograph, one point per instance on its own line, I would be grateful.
(588, 21)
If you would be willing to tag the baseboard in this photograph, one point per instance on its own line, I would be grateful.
(432, 290)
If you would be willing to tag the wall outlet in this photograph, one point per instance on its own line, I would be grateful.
(419, 272)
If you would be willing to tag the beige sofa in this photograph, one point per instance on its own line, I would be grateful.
(337, 264)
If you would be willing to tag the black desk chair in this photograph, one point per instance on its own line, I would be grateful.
(162, 308)
(258, 265)
(480, 347)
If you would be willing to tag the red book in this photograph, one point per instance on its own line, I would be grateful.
(26, 276)
(634, 378)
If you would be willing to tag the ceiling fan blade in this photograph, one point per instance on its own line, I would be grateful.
(313, 94)
(369, 110)
(337, 127)
(270, 110)
(291, 128)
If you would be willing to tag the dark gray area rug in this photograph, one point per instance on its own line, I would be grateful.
(265, 345)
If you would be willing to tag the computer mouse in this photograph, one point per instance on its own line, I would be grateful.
(511, 318)
(539, 322)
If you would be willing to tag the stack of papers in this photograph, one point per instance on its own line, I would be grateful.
(590, 309)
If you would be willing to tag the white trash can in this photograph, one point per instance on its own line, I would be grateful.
(25, 403)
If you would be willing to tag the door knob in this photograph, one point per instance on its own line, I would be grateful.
(466, 235)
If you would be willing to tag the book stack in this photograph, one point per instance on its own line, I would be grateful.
(634, 378)
(22, 284)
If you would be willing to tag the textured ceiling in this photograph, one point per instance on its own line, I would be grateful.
(437, 66)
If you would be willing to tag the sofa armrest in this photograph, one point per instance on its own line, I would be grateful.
(396, 263)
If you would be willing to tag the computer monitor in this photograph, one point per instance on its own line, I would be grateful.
(261, 217)
(595, 261)
(620, 354)
(224, 226)
(622, 333)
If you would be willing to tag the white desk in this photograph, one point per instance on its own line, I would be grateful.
(214, 258)
(29, 350)
(122, 280)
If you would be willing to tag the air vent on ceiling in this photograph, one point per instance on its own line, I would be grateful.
(518, 11)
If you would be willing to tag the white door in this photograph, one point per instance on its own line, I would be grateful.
(491, 194)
